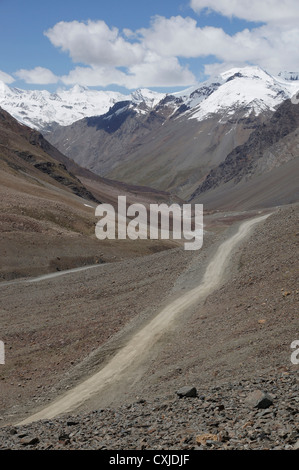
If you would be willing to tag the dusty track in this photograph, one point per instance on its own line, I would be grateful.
(130, 356)
(45, 277)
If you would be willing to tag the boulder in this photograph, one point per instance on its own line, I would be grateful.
(259, 399)
(187, 392)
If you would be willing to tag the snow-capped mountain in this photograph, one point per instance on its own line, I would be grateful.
(249, 88)
(147, 97)
(40, 109)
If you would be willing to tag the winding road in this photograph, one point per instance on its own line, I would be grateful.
(132, 353)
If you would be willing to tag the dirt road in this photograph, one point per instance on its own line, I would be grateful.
(45, 277)
(129, 357)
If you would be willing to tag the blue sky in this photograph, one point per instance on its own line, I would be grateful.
(129, 44)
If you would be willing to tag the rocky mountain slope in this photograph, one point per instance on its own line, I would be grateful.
(26, 151)
(270, 155)
(47, 213)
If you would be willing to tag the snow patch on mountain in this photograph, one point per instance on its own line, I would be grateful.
(289, 75)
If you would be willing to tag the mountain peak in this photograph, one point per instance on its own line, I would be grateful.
(250, 71)
(149, 97)
(4, 89)
(249, 89)
(76, 89)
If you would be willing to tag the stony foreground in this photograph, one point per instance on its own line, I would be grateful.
(245, 415)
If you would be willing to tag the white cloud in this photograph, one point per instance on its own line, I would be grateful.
(273, 47)
(4, 77)
(94, 43)
(38, 75)
(267, 11)
(181, 37)
(156, 72)
(112, 58)
(94, 76)
(219, 67)
(152, 57)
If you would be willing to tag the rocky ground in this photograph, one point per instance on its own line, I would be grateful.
(236, 342)
(261, 414)
(44, 346)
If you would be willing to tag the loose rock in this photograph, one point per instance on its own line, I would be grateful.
(259, 399)
(187, 392)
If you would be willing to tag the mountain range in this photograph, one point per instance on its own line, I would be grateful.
(182, 143)
(174, 144)
(43, 110)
